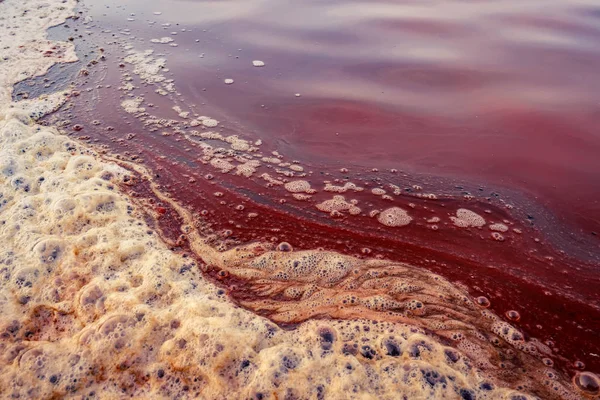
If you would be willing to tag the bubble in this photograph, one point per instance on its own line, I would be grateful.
(513, 315)
(587, 382)
(451, 355)
(483, 301)
(284, 246)
(327, 338)
(497, 237)
(392, 348)
(368, 352)
(466, 394)
(290, 361)
(394, 217)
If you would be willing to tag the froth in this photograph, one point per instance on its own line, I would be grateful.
(337, 205)
(26, 53)
(298, 187)
(394, 216)
(466, 218)
(94, 302)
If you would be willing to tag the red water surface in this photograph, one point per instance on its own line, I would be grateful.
(504, 92)
(467, 96)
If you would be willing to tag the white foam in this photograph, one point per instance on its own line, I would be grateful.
(394, 216)
(338, 204)
(299, 187)
(467, 218)
(163, 40)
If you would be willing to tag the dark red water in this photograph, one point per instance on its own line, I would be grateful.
(496, 99)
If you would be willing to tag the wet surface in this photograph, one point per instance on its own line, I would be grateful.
(503, 93)
(455, 108)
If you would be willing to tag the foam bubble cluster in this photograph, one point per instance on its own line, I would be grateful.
(466, 218)
(338, 204)
(394, 216)
(298, 187)
(293, 287)
(162, 40)
(329, 187)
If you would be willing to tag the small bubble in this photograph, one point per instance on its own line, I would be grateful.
(483, 301)
(392, 348)
(368, 352)
(327, 338)
(513, 315)
(579, 364)
(223, 274)
(284, 246)
(548, 362)
(497, 237)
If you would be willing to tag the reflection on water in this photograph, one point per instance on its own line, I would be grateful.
(505, 91)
